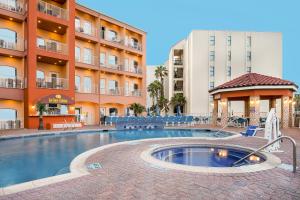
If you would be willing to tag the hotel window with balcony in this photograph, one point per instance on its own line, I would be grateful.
(12, 5)
(112, 36)
(8, 39)
(9, 119)
(229, 55)
(8, 77)
(229, 40)
(40, 78)
(113, 87)
(211, 71)
(87, 56)
(51, 9)
(248, 42)
(77, 54)
(178, 86)
(228, 71)
(87, 84)
(178, 57)
(249, 56)
(212, 40)
(102, 59)
(102, 86)
(113, 61)
(178, 73)
(77, 83)
(212, 56)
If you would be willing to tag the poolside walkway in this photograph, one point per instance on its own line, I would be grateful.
(126, 176)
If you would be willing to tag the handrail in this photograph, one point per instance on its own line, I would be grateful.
(265, 146)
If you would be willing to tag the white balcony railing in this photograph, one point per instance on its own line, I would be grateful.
(113, 92)
(53, 46)
(134, 45)
(86, 59)
(132, 69)
(86, 89)
(52, 10)
(133, 93)
(11, 83)
(7, 43)
(16, 6)
(52, 83)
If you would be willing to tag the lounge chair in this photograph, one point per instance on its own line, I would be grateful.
(250, 131)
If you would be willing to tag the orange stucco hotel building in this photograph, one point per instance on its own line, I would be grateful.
(82, 64)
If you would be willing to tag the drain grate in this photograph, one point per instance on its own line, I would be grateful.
(94, 166)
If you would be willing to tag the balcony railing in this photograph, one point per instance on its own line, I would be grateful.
(7, 43)
(86, 90)
(88, 31)
(86, 59)
(133, 93)
(178, 62)
(118, 39)
(112, 66)
(10, 124)
(119, 67)
(52, 10)
(135, 70)
(135, 46)
(52, 83)
(112, 92)
(11, 83)
(13, 6)
(53, 46)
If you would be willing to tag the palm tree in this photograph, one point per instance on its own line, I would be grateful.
(154, 90)
(41, 108)
(163, 104)
(178, 100)
(137, 108)
(160, 73)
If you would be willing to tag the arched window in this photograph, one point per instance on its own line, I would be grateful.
(8, 114)
(7, 72)
(7, 36)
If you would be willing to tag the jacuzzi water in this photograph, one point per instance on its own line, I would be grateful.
(31, 158)
(206, 156)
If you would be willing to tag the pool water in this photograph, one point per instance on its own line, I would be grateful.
(206, 156)
(31, 158)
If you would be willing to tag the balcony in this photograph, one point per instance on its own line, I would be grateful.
(135, 69)
(13, 6)
(122, 68)
(112, 66)
(134, 45)
(10, 124)
(7, 43)
(111, 92)
(86, 90)
(52, 10)
(86, 59)
(52, 83)
(133, 93)
(17, 83)
(178, 86)
(117, 39)
(178, 62)
(52, 46)
(87, 31)
(178, 73)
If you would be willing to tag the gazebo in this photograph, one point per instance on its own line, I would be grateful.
(252, 88)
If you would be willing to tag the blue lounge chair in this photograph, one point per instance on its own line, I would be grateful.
(250, 131)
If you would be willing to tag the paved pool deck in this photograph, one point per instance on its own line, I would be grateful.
(124, 175)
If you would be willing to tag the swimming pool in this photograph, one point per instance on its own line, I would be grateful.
(207, 156)
(30, 158)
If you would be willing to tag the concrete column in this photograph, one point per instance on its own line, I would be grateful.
(215, 112)
(224, 114)
(247, 109)
(291, 112)
(285, 108)
(254, 110)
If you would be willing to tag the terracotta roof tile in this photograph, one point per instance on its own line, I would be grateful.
(254, 79)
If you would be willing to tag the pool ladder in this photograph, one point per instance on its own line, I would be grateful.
(269, 144)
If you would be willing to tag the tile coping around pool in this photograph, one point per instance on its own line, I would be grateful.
(77, 166)
(271, 161)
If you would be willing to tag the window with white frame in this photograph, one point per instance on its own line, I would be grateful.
(8, 114)
(212, 40)
(102, 58)
(112, 35)
(7, 72)
(112, 60)
(102, 86)
(77, 24)
(87, 56)
(212, 55)
(77, 83)
(41, 42)
(77, 54)
(87, 83)
(87, 28)
(211, 71)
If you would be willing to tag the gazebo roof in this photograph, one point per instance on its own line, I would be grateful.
(255, 81)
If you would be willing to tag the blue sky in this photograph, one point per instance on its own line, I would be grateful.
(168, 21)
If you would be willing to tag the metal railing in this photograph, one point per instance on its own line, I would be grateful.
(269, 144)
(82, 29)
(52, 10)
(86, 59)
(133, 93)
(132, 69)
(10, 124)
(86, 90)
(13, 6)
(11, 83)
(112, 92)
(135, 46)
(114, 67)
(53, 46)
(6, 43)
(52, 83)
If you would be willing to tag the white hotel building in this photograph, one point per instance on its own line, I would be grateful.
(206, 59)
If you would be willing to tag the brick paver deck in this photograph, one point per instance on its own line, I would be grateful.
(126, 176)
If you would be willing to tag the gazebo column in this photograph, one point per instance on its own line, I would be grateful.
(246, 108)
(224, 114)
(285, 111)
(254, 110)
(215, 112)
(291, 111)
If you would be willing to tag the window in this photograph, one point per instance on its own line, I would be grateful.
(112, 35)
(8, 35)
(63, 109)
(87, 28)
(8, 114)
(40, 74)
(211, 85)
(249, 69)
(77, 23)
(248, 41)
(112, 85)
(212, 71)
(87, 84)
(248, 56)
(8, 72)
(87, 56)
(102, 86)
(134, 42)
(112, 60)
(212, 56)
(77, 83)
(212, 40)
(77, 54)
(102, 59)
(229, 56)
(229, 40)
(228, 70)
(40, 42)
